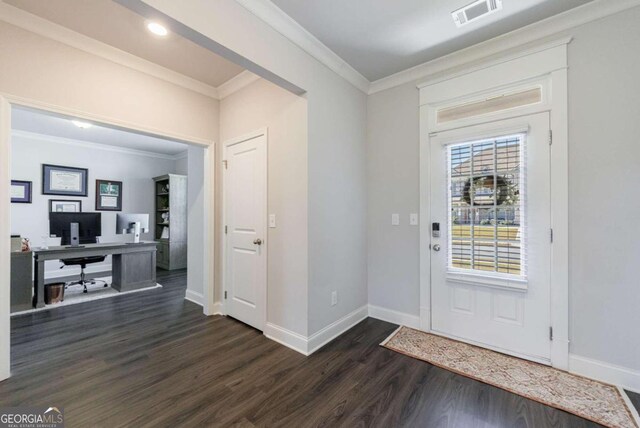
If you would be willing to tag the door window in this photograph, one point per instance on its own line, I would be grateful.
(486, 206)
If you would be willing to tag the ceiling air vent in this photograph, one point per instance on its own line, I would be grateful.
(475, 10)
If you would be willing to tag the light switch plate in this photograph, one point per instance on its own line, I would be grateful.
(413, 219)
(334, 298)
(272, 221)
(395, 219)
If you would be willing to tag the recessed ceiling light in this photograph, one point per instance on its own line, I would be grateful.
(82, 125)
(157, 29)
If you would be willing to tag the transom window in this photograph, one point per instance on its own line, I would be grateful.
(486, 206)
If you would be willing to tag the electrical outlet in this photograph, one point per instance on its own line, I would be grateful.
(413, 219)
(334, 298)
(395, 219)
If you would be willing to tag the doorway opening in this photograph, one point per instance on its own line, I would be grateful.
(99, 217)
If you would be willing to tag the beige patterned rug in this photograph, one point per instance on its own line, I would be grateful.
(589, 399)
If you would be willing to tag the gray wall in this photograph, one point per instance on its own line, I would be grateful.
(134, 170)
(197, 266)
(604, 154)
(337, 202)
(604, 201)
(393, 177)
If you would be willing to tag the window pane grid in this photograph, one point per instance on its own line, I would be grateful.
(486, 193)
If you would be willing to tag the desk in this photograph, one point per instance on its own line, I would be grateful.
(133, 265)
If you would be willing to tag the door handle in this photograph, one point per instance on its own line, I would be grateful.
(258, 241)
(436, 247)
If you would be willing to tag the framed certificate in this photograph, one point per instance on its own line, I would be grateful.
(108, 195)
(20, 192)
(65, 206)
(64, 180)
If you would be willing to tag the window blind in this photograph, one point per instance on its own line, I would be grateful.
(486, 197)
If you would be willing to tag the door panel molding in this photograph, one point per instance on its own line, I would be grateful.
(550, 74)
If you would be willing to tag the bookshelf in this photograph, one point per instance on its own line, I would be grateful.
(170, 220)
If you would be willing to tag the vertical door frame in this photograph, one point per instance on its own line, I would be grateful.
(262, 132)
(5, 238)
(6, 101)
(544, 66)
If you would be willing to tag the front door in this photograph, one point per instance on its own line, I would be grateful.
(245, 204)
(491, 236)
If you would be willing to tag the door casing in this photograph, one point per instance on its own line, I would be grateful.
(544, 66)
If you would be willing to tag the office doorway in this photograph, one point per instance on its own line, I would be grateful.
(101, 177)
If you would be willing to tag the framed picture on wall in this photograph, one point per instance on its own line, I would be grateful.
(20, 192)
(108, 195)
(65, 206)
(64, 180)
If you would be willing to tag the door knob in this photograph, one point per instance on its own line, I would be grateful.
(436, 247)
(258, 241)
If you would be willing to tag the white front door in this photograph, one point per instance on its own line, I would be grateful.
(245, 205)
(490, 264)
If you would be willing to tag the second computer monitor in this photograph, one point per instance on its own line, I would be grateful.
(132, 224)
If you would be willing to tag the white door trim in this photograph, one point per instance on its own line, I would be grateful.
(5, 234)
(549, 71)
(6, 100)
(249, 136)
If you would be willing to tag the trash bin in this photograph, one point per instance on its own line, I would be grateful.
(54, 293)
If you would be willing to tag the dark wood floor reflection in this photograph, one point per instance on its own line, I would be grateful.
(153, 359)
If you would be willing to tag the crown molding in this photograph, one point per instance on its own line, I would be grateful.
(572, 18)
(95, 146)
(236, 83)
(289, 28)
(53, 31)
(506, 57)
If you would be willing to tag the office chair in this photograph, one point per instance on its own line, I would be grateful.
(83, 262)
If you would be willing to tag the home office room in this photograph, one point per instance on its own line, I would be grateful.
(94, 211)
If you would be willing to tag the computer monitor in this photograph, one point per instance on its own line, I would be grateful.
(133, 224)
(89, 227)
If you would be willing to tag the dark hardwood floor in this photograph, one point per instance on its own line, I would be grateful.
(153, 359)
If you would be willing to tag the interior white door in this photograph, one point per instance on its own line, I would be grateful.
(490, 264)
(245, 189)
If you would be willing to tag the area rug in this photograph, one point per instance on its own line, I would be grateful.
(596, 401)
(74, 295)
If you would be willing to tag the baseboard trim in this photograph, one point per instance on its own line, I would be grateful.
(308, 345)
(194, 297)
(394, 317)
(624, 377)
(333, 330)
(218, 308)
(285, 337)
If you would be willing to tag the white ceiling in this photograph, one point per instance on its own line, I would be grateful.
(57, 126)
(115, 25)
(382, 37)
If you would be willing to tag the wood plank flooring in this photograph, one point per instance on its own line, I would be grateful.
(153, 359)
